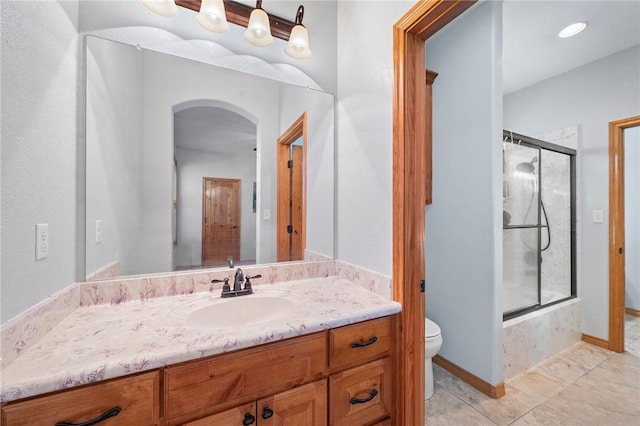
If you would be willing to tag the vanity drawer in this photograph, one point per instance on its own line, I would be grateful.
(361, 395)
(359, 343)
(196, 389)
(136, 396)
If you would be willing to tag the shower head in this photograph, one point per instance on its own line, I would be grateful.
(527, 167)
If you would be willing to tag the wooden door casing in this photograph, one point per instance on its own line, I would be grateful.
(297, 185)
(220, 220)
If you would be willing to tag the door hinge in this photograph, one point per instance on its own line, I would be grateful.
(290, 164)
(422, 286)
(289, 229)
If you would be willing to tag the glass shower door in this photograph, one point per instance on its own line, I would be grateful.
(521, 227)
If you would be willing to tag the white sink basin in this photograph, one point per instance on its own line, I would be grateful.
(241, 311)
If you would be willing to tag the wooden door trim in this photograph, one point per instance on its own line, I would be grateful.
(616, 231)
(410, 109)
(288, 137)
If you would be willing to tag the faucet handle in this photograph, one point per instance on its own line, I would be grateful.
(247, 283)
(225, 288)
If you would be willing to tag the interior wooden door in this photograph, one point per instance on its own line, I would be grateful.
(297, 245)
(220, 220)
(291, 211)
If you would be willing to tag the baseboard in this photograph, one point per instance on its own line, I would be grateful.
(630, 311)
(488, 389)
(596, 341)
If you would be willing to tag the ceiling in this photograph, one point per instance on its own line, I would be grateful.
(532, 50)
(214, 129)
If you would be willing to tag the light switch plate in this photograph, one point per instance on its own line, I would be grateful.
(266, 214)
(598, 216)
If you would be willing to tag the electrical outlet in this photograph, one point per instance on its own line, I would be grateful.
(42, 241)
(98, 231)
(266, 214)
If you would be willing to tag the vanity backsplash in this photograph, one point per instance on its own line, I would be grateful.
(19, 333)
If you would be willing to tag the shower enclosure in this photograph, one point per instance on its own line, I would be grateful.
(538, 224)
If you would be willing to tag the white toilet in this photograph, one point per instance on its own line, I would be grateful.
(432, 344)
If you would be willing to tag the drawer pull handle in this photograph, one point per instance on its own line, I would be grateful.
(372, 395)
(267, 412)
(101, 418)
(363, 344)
(249, 419)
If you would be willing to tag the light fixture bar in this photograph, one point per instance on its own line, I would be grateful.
(238, 13)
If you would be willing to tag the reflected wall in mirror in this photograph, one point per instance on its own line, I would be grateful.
(175, 149)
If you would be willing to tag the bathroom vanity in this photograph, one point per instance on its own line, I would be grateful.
(328, 361)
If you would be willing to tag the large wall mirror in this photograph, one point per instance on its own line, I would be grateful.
(182, 164)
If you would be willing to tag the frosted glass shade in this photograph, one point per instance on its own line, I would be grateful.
(298, 46)
(258, 31)
(161, 7)
(212, 16)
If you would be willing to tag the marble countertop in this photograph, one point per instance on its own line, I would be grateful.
(105, 341)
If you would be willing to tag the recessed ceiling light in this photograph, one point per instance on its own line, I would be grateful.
(573, 29)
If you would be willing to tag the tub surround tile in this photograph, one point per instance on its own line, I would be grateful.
(533, 338)
(87, 345)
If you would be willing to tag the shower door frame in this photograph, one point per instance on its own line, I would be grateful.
(511, 137)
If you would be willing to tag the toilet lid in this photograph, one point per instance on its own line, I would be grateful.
(431, 329)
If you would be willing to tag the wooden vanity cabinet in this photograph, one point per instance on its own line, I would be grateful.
(303, 405)
(137, 398)
(200, 388)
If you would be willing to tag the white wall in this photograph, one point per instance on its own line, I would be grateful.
(464, 223)
(590, 96)
(364, 125)
(193, 165)
(114, 152)
(632, 217)
(39, 84)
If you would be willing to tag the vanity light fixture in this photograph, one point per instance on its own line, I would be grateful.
(262, 27)
(258, 30)
(298, 46)
(212, 16)
(573, 29)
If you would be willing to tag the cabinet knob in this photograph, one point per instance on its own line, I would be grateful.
(249, 419)
(267, 413)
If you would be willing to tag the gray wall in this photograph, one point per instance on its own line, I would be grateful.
(632, 216)
(464, 223)
(590, 96)
(39, 84)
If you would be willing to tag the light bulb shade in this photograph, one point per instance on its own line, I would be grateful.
(161, 7)
(212, 16)
(298, 46)
(258, 31)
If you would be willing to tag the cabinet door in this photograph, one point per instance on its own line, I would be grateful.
(361, 395)
(305, 405)
(239, 416)
(131, 401)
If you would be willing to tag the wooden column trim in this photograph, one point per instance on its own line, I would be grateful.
(409, 194)
(428, 179)
(616, 231)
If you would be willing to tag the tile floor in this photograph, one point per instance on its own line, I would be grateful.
(582, 386)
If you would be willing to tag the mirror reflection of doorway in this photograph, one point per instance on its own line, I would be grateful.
(220, 220)
(214, 144)
(292, 191)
